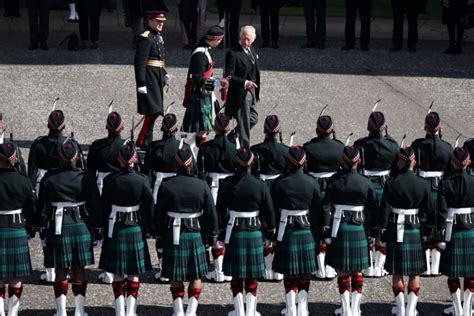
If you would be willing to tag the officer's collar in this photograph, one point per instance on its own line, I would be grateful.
(297, 171)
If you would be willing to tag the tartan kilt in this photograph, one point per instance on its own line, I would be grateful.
(457, 260)
(126, 252)
(72, 248)
(296, 253)
(15, 259)
(407, 257)
(198, 114)
(244, 255)
(186, 261)
(349, 251)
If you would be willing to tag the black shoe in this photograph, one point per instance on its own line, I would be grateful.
(395, 48)
(44, 46)
(347, 47)
(33, 46)
(412, 49)
(451, 50)
(83, 45)
(94, 45)
(7, 14)
(16, 14)
(265, 44)
(321, 45)
(308, 45)
(364, 48)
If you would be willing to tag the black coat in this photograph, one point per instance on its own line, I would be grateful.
(103, 154)
(432, 153)
(239, 67)
(271, 156)
(218, 155)
(16, 192)
(150, 46)
(323, 154)
(379, 152)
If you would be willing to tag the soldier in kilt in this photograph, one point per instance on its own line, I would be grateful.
(199, 99)
(245, 208)
(348, 212)
(68, 202)
(379, 154)
(18, 207)
(20, 165)
(406, 206)
(296, 198)
(150, 74)
(323, 154)
(102, 160)
(456, 211)
(185, 215)
(271, 157)
(432, 159)
(216, 160)
(42, 157)
(128, 204)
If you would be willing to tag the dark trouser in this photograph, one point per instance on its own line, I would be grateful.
(89, 19)
(319, 35)
(399, 9)
(12, 6)
(364, 7)
(234, 14)
(247, 118)
(190, 27)
(221, 8)
(269, 30)
(145, 137)
(452, 27)
(38, 13)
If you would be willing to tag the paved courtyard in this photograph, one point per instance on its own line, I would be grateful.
(299, 82)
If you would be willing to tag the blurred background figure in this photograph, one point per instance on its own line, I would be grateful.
(364, 7)
(453, 12)
(269, 20)
(410, 8)
(89, 22)
(188, 16)
(315, 38)
(38, 14)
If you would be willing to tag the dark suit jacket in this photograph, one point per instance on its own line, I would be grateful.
(238, 67)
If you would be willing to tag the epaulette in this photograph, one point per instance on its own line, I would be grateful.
(145, 34)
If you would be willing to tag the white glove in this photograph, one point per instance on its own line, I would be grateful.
(43, 242)
(142, 90)
(167, 79)
(328, 241)
(442, 245)
(159, 251)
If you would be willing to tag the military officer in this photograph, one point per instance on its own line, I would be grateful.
(69, 202)
(180, 223)
(348, 212)
(432, 157)
(379, 154)
(18, 210)
(245, 208)
(297, 200)
(150, 74)
(323, 155)
(128, 205)
(456, 211)
(272, 159)
(406, 206)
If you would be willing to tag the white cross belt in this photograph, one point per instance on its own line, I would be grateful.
(322, 175)
(39, 176)
(339, 208)
(159, 176)
(284, 220)
(177, 223)
(450, 219)
(401, 220)
(100, 180)
(266, 177)
(59, 213)
(113, 215)
(232, 216)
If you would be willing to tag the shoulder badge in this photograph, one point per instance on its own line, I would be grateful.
(145, 34)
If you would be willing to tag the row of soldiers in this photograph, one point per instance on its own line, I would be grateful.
(328, 197)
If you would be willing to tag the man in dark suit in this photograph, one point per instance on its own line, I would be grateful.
(234, 8)
(241, 69)
(38, 14)
(269, 20)
(315, 38)
(364, 7)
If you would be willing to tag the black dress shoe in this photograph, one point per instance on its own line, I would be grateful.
(44, 46)
(347, 47)
(308, 45)
(94, 45)
(33, 46)
(321, 45)
(451, 50)
(395, 48)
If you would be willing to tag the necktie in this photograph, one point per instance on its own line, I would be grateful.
(249, 53)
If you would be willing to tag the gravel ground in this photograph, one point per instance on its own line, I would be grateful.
(299, 81)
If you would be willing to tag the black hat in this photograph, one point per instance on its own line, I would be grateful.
(272, 124)
(350, 155)
(376, 122)
(244, 157)
(461, 157)
(222, 122)
(56, 120)
(184, 157)
(215, 32)
(297, 156)
(114, 122)
(325, 124)
(169, 123)
(406, 154)
(69, 151)
(469, 145)
(156, 12)
(8, 151)
(433, 122)
(127, 154)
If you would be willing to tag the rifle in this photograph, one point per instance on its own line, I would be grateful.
(132, 137)
(81, 154)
